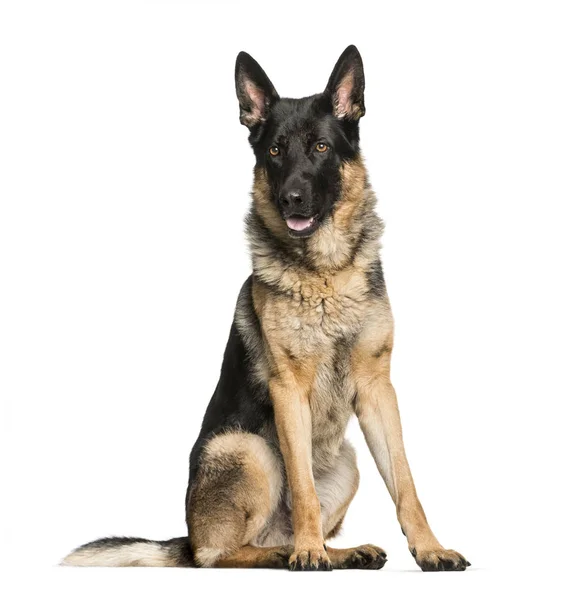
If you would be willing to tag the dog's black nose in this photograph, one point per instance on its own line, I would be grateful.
(292, 199)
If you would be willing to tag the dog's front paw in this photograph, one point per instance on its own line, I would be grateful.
(310, 559)
(439, 560)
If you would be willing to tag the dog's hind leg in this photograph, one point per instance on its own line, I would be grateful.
(253, 557)
(236, 488)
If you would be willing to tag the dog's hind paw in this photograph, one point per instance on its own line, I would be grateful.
(315, 559)
(362, 557)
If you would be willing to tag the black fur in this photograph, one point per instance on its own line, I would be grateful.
(180, 551)
(114, 542)
(238, 401)
(376, 280)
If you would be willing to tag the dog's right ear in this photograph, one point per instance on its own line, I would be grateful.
(255, 92)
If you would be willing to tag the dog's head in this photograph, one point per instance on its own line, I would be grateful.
(302, 144)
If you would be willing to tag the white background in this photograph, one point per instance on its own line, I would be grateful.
(124, 179)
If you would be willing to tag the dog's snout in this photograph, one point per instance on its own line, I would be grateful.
(292, 199)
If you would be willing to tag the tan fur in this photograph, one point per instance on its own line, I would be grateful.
(367, 556)
(289, 392)
(251, 557)
(277, 557)
(238, 469)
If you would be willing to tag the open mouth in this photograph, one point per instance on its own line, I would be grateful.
(299, 226)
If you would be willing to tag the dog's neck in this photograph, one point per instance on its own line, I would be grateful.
(348, 239)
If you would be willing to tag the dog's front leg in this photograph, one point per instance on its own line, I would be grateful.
(377, 410)
(289, 391)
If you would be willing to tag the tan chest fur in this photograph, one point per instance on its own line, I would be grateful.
(315, 310)
(313, 324)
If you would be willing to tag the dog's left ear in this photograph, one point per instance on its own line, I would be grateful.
(346, 86)
(255, 91)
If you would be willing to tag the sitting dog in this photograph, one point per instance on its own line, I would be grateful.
(271, 474)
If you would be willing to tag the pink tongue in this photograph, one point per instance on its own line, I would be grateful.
(298, 224)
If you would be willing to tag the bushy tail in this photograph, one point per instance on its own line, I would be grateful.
(132, 552)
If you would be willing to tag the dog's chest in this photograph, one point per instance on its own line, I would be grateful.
(317, 311)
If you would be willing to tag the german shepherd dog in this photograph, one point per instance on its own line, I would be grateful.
(271, 474)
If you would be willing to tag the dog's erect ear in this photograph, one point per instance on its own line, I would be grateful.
(346, 85)
(255, 92)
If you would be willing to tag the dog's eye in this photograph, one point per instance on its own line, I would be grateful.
(274, 151)
(321, 147)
